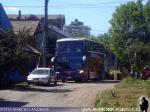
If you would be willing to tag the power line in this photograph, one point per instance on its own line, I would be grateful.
(70, 3)
(53, 5)
(62, 6)
(81, 5)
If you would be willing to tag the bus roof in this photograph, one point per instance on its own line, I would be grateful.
(77, 39)
(70, 39)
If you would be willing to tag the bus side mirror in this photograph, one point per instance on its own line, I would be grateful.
(53, 59)
(84, 58)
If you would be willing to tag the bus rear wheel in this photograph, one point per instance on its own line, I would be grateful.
(63, 80)
(86, 78)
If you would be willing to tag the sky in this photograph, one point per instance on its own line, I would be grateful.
(93, 13)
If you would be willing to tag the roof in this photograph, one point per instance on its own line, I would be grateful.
(23, 16)
(2, 34)
(21, 25)
(4, 21)
(31, 49)
(55, 29)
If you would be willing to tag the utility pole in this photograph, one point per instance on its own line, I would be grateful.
(116, 70)
(45, 33)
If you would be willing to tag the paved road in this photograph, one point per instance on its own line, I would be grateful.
(63, 95)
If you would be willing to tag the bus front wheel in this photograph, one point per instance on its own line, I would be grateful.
(79, 80)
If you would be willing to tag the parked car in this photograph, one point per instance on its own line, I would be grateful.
(146, 73)
(42, 76)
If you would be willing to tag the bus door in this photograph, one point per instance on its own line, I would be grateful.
(95, 65)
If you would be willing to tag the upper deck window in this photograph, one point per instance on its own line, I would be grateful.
(64, 48)
(70, 47)
(76, 48)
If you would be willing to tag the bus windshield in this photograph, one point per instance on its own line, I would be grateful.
(70, 62)
(76, 62)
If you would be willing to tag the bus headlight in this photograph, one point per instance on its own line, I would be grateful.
(57, 73)
(81, 71)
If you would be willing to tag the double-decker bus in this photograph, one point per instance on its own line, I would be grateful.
(79, 59)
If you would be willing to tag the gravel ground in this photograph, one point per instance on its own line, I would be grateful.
(63, 95)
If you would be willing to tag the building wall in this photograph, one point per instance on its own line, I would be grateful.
(77, 27)
(58, 22)
(53, 35)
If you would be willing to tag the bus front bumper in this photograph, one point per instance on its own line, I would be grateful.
(71, 76)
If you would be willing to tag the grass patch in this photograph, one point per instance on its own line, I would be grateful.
(126, 94)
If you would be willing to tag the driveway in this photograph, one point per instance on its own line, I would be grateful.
(63, 95)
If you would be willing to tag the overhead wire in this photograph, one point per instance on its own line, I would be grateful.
(73, 5)
(59, 6)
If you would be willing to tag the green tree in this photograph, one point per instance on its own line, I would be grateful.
(146, 12)
(79, 35)
(33, 18)
(129, 27)
(106, 40)
(12, 52)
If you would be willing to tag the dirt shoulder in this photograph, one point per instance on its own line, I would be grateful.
(86, 96)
